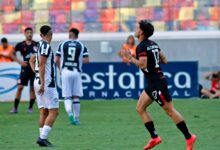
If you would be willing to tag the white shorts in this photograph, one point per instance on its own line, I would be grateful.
(49, 100)
(71, 83)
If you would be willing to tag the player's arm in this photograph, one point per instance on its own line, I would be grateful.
(44, 54)
(141, 63)
(42, 63)
(13, 56)
(85, 56)
(32, 62)
(58, 55)
(57, 60)
(163, 58)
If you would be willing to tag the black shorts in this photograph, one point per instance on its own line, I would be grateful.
(26, 75)
(158, 91)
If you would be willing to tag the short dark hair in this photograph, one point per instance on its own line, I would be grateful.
(4, 40)
(28, 29)
(45, 29)
(75, 31)
(147, 28)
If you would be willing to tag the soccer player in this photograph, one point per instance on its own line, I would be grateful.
(70, 56)
(44, 85)
(148, 59)
(26, 48)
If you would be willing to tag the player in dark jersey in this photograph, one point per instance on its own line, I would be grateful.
(26, 49)
(148, 59)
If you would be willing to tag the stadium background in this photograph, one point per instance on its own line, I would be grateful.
(187, 30)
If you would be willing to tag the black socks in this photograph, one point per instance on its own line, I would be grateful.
(183, 128)
(151, 129)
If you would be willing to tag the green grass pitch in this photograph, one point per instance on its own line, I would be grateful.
(112, 125)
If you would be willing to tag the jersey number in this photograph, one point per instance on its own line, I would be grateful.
(156, 57)
(71, 53)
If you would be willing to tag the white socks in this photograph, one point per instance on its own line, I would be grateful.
(76, 107)
(68, 106)
(40, 130)
(45, 131)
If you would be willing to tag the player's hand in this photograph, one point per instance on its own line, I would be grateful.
(23, 64)
(41, 90)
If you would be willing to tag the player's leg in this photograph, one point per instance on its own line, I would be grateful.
(180, 123)
(67, 82)
(42, 118)
(143, 102)
(76, 109)
(32, 93)
(22, 81)
(48, 123)
(17, 99)
(52, 104)
(77, 91)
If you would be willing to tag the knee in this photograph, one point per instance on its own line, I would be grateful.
(139, 109)
(20, 88)
(169, 112)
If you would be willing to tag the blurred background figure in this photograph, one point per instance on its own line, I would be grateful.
(214, 91)
(130, 46)
(5, 51)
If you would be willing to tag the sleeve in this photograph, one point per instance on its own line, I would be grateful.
(141, 51)
(45, 50)
(85, 52)
(35, 47)
(58, 52)
(17, 47)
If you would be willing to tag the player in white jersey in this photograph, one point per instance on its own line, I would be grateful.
(44, 85)
(70, 57)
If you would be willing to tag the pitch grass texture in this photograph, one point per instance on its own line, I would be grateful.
(112, 125)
